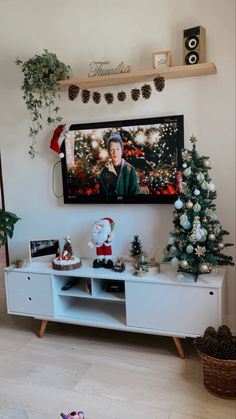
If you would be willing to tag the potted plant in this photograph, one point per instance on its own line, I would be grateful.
(7, 224)
(40, 89)
(217, 350)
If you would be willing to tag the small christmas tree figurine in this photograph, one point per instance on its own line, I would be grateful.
(67, 249)
(196, 242)
(136, 247)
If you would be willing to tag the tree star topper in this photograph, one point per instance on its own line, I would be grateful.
(193, 139)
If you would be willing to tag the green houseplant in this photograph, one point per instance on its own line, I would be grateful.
(40, 89)
(7, 224)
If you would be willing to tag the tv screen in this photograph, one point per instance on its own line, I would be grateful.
(131, 161)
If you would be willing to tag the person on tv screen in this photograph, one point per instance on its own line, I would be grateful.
(118, 176)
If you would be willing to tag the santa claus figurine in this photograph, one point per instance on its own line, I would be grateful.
(102, 238)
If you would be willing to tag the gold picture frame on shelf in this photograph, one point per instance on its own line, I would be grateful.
(162, 59)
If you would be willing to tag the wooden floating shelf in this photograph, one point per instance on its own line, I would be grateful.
(141, 76)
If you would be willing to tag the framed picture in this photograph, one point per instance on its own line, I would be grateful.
(42, 249)
(162, 59)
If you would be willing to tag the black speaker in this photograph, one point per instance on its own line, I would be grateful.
(194, 45)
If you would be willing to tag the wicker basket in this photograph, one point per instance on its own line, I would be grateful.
(219, 376)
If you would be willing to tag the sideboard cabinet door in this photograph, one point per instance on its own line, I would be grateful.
(172, 308)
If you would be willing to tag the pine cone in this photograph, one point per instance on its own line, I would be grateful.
(146, 91)
(73, 91)
(224, 333)
(159, 82)
(208, 345)
(210, 331)
(96, 97)
(212, 346)
(135, 93)
(226, 350)
(109, 98)
(85, 95)
(200, 343)
(121, 96)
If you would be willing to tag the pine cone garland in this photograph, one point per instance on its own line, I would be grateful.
(73, 92)
(109, 98)
(159, 83)
(121, 96)
(146, 91)
(96, 97)
(135, 93)
(85, 95)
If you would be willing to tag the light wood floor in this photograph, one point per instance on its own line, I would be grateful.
(109, 375)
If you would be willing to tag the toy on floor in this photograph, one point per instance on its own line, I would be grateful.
(73, 415)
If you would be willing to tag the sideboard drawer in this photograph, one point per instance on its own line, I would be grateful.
(29, 293)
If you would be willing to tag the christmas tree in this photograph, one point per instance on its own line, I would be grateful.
(136, 247)
(197, 240)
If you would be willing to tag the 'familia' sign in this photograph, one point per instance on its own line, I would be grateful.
(98, 68)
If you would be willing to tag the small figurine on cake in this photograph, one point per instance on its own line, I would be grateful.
(66, 261)
(102, 238)
(67, 249)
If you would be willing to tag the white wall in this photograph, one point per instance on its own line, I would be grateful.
(125, 30)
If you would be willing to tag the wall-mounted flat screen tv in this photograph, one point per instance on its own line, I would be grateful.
(130, 161)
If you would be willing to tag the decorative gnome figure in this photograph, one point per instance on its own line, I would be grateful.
(102, 238)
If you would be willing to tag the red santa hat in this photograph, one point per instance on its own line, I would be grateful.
(57, 139)
(111, 222)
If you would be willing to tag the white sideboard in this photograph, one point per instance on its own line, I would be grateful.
(160, 304)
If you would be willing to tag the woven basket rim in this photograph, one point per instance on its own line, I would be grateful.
(216, 360)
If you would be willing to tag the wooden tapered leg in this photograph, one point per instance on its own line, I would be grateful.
(42, 328)
(179, 347)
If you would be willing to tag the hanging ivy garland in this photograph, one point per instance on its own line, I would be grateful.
(146, 91)
(135, 94)
(96, 96)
